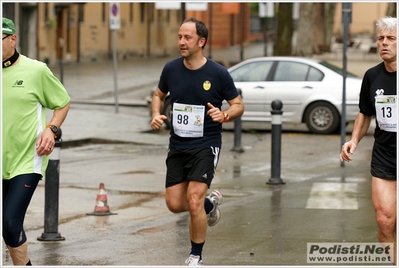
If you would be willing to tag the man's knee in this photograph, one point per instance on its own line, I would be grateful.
(195, 205)
(174, 207)
(13, 233)
(386, 222)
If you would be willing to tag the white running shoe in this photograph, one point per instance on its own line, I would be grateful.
(193, 260)
(214, 216)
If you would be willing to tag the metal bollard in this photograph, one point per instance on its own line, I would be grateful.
(51, 194)
(237, 132)
(275, 179)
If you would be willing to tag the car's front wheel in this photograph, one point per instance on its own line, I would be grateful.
(322, 118)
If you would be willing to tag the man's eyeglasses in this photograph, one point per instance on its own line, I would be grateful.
(6, 36)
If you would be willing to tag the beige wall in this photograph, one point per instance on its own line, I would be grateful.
(136, 38)
(364, 16)
(152, 37)
(94, 33)
(46, 36)
(71, 46)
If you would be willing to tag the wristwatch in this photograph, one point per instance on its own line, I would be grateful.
(226, 117)
(54, 129)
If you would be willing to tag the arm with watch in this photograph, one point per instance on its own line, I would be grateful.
(54, 129)
(235, 110)
(46, 141)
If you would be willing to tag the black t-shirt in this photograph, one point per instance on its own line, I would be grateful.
(210, 83)
(378, 81)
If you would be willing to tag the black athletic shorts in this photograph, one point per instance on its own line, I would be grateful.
(197, 164)
(383, 162)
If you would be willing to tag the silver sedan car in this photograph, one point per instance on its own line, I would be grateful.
(310, 90)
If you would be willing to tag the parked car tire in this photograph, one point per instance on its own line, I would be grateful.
(167, 110)
(322, 118)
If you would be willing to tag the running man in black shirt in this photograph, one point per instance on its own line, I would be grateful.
(197, 88)
(378, 98)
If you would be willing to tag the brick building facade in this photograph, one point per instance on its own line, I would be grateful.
(78, 31)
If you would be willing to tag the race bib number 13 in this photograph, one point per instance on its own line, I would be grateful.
(387, 112)
(188, 120)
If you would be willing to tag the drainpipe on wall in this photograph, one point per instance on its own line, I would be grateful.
(16, 22)
(148, 31)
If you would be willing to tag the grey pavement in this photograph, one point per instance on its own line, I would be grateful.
(261, 225)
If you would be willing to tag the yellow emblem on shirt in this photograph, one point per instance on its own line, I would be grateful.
(207, 85)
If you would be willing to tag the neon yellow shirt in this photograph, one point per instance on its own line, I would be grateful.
(28, 88)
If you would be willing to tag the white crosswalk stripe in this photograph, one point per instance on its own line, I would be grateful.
(333, 195)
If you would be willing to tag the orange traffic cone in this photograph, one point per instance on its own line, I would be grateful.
(101, 208)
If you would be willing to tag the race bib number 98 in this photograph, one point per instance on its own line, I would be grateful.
(188, 120)
(387, 112)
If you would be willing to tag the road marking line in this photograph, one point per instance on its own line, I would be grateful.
(333, 195)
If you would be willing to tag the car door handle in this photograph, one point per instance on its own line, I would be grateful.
(309, 87)
(261, 87)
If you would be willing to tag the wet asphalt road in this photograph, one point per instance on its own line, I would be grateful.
(261, 224)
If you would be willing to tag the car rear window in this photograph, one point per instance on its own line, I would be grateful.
(296, 71)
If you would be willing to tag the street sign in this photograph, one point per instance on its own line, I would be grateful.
(167, 5)
(197, 6)
(114, 16)
(115, 24)
(266, 10)
(295, 10)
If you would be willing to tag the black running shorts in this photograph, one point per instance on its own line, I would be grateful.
(383, 162)
(197, 164)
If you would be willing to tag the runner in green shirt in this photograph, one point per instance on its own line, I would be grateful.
(28, 88)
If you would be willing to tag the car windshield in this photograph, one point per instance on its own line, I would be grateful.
(336, 69)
